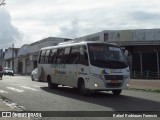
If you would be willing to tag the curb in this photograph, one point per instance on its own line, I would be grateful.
(147, 90)
(8, 105)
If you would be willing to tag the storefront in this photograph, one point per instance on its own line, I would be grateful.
(24, 64)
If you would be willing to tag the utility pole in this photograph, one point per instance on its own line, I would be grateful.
(13, 56)
(141, 67)
(157, 61)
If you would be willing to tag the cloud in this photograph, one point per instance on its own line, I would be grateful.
(145, 16)
(9, 34)
(75, 18)
(71, 30)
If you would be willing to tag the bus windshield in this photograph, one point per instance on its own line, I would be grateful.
(108, 56)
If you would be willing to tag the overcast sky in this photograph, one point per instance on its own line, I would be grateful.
(27, 21)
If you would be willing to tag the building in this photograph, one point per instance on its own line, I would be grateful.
(24, 64)
(2, 58)
(11, 59)
(23, 60)
(142, 46)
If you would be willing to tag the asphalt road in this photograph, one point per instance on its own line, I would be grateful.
(36, 96)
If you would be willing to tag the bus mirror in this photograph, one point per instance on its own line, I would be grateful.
(83, 50)
(126, 53)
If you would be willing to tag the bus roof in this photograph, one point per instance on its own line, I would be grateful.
(73, 43)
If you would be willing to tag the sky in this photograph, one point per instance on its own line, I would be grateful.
(27, 21)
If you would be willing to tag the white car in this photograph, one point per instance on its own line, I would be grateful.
(34, 74)
(8, 71)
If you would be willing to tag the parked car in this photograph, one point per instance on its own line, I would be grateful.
(8, 71)
(34, 74)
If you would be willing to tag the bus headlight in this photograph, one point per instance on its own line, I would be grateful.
(96, 75)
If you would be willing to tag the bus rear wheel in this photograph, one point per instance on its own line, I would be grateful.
(117, 92)
(50, 84)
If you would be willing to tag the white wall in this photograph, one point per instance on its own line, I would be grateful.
(123, 35)
(134, 35)
(92, 37)
(35, 47)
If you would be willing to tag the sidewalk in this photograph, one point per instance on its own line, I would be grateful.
(7, 108)
(4, 107)
(144, 84)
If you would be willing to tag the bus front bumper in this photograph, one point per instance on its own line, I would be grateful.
(103, 85)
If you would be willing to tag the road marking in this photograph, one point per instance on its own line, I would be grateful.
(14, 89)
(28, 88)
(2, 91)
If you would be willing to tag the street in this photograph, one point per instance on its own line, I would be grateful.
(36, 96)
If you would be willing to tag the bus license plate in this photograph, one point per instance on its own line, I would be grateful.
(114, 81)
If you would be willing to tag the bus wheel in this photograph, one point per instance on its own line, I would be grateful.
(32, 78)
(81, 88)
(117, 92)
(50, 84)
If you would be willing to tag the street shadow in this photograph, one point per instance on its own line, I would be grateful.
(107, 99)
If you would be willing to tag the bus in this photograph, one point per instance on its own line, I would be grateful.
(88, 66)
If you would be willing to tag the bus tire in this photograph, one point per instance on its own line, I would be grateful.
(117, 92)
(50, 84)
(81, 88)
(32, 78)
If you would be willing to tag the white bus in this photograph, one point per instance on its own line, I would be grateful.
(88, 66)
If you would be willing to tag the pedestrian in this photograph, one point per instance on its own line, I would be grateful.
(1, 72)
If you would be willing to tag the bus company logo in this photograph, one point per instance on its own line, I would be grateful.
(2, 2)
(6, 114)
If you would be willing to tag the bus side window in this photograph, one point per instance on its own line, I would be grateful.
(84, 56)
(74, 56)
(47, 56)
(66, 55)
(60, 55)
(53, 56)
(39, 59)
(42, 58)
